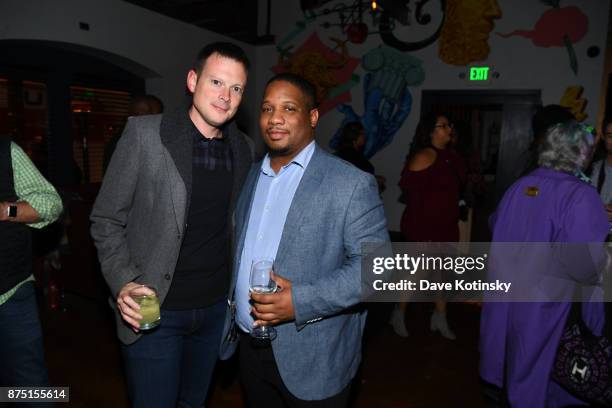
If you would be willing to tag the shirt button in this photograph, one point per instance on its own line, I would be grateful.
(167, 276)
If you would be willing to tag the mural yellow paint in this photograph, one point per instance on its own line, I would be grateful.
(465, 33)
(572, 100)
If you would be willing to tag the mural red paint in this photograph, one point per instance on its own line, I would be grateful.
(557, 27)
(554, 25)
(331, 72)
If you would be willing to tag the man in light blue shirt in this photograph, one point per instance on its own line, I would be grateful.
(271, 202)
(311, 213)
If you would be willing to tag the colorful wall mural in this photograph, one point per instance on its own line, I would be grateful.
(326, 46)
(402, 24)
(557, 27)
(387, 97)
(331, 72)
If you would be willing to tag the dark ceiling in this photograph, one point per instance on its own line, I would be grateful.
(235, 18)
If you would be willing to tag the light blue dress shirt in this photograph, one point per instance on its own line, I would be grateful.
(271, 202)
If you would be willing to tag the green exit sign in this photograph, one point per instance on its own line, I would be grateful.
(479, 73)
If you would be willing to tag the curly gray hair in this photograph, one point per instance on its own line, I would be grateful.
(567, 147)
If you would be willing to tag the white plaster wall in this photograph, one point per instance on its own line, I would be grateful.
(521, 64)
(163, 45)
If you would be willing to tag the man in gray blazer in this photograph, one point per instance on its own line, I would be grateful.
(310, 212)
(163, 218)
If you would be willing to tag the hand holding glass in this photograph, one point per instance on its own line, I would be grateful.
(146, 297)
(261, 282)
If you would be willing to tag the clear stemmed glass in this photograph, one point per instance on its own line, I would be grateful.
(261, 282)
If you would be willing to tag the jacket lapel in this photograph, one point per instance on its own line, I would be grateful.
(301, 204)
(241, 160)
(243, 212)
(176, 137)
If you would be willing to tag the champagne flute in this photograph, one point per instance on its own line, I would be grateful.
(261, 282)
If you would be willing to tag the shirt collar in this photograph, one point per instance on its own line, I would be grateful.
(301, 159)
(199, 137)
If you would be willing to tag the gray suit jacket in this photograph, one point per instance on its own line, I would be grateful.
(336, 208)
(138, 219)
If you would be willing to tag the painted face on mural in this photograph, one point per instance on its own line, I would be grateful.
(286, 121)
(465, 34)
(217, 92)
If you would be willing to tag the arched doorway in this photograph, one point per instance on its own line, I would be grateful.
(63, 102)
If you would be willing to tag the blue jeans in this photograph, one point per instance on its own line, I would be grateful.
(21, 342)
(172, 365)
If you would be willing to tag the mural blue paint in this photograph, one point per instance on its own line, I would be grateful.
(387, 98)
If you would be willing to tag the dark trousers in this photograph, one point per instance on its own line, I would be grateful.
(264, 386)
(21, 343)
(172, 365)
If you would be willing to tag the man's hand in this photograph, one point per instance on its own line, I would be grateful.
(129, 309)
(274, 308)
(26, 214)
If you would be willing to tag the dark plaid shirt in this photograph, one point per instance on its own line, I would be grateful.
(211, 154)
(202, 271)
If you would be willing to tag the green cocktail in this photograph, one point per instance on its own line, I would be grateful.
(149, 309)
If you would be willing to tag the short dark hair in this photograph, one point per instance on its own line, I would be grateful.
(225, 49)
(302, 84)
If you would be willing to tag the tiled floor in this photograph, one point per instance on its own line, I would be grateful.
(423, 370)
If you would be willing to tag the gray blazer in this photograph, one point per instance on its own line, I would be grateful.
(138, 219)
(335, 209)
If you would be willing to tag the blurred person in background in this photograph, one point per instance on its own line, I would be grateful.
(544, 118)
(139, 105)
(27, 200)
(431, 183)
(350, 148)
(601, 175)
(554, 203)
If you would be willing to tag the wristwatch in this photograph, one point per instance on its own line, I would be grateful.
(11, 211)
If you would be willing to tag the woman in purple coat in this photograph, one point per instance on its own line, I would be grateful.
(518, 341)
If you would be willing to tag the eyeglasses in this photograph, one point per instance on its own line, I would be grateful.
(445, 125)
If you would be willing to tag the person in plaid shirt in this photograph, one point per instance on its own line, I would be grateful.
(27, 201)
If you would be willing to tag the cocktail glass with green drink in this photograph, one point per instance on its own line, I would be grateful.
(146, 297)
